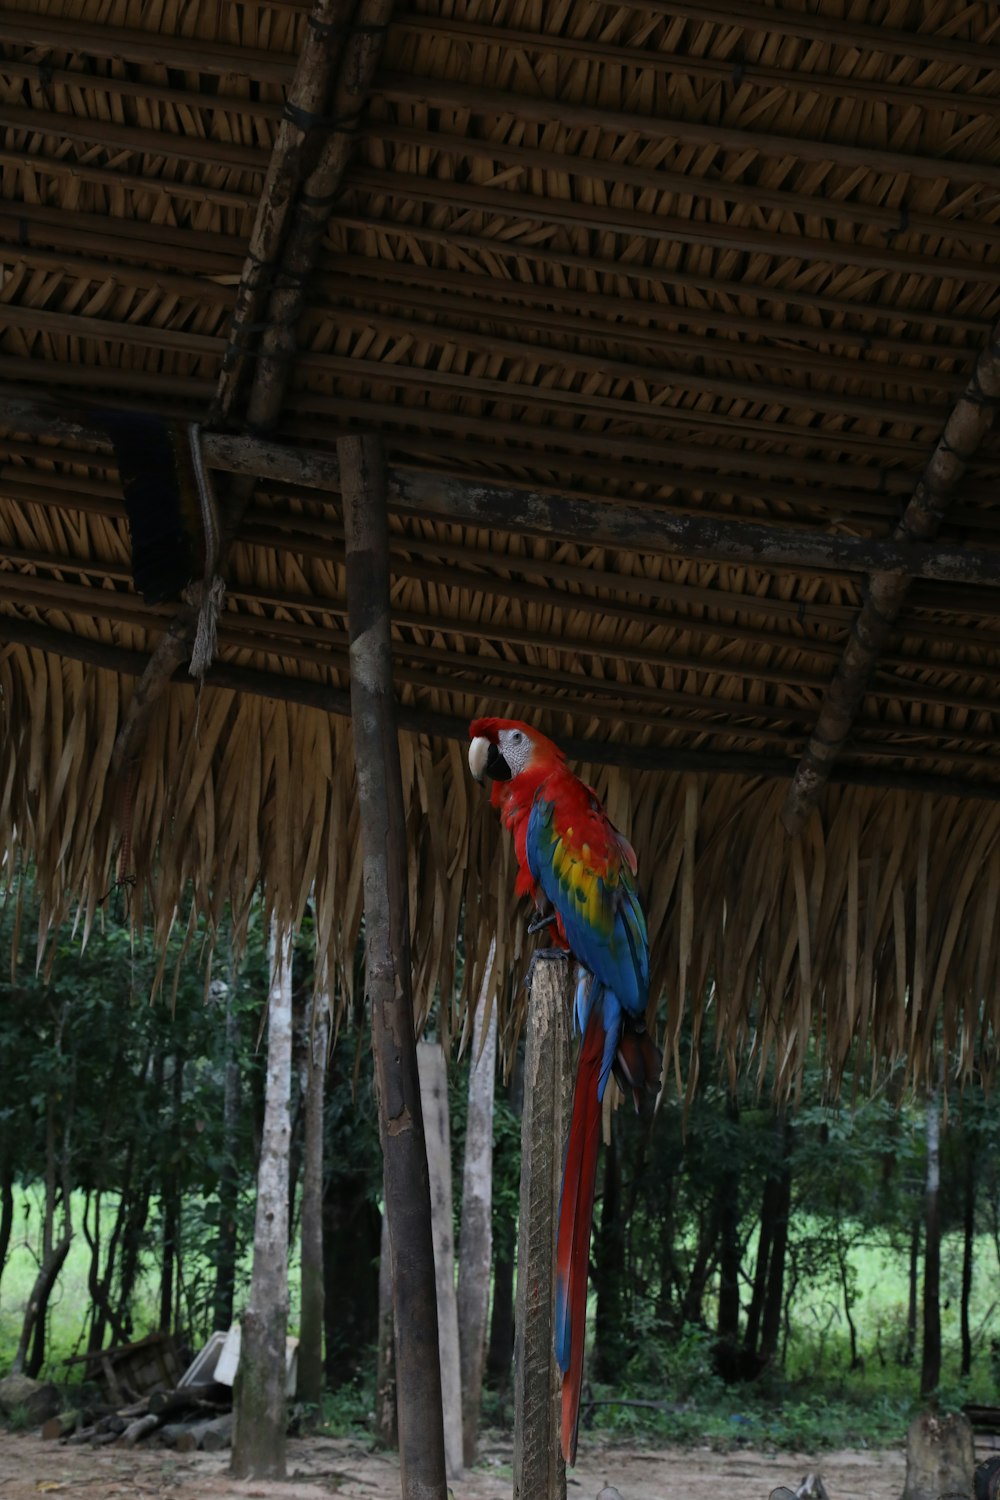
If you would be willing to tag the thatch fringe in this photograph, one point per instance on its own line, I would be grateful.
(879, 924)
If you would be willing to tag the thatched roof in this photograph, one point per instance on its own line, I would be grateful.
(608, 269)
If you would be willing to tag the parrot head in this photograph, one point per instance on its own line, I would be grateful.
(502, 749)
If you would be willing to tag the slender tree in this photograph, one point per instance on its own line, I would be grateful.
(930, 1365)
(260, 1408)
(310, 1366)
(476, 1234)
(229, 1174)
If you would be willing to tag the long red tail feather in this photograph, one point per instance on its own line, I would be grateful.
(576, 1212)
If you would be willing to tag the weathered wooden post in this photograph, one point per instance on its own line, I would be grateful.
(387, 969)
(539, 1471)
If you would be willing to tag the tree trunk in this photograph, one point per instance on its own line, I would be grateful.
(310, 1365)
(434, 1104)
(476, 1231)
(226, 1246)
(500, 1352)
(34, 1313)
(910, 1347)
(53, 1254)
(388, 970)
(930, 1365)
(385, 1376)
(845, 1288)
(968, 1250)
(770, 1331)
(351, 1228)
(259, 1433)
(609, 1270)
(728, 1325)
(171, 1197)
(6, 1213)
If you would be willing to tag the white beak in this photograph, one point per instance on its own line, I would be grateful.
(479, 749)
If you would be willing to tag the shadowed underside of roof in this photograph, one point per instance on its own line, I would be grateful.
(721, 263)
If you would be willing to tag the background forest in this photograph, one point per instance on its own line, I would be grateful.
(787, 1276)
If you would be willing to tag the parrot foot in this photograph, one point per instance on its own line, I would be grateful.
(540, 922)
(543, 953)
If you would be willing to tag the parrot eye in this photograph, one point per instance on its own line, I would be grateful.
(516, 736)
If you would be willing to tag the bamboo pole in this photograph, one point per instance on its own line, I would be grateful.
(968, 424)
(278, 346)
(450, 94)
(539, 1472)
(387, 949)
(605, 53)
(319, 695)
(673, 229)
(274, 359)
(636, 273)
(925, 46)
(614, 703)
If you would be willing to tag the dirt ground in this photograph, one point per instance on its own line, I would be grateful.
(320, 1467)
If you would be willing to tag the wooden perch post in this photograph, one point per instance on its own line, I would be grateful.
(968, 424)
(388, 973)
(539, 1471)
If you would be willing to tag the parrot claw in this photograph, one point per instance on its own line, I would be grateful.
(543, 953)
(540, 922)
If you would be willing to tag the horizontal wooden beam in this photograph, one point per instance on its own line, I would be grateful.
(629, 223)
(158, 48)
(135, 138)
(167, 187)
(317, 643)
(279, 531)
(283, 688)
(510, 251)
(441, 93)
(753, 74)
(649, 412)
(642, 328)
(628, 527)
(835, 31)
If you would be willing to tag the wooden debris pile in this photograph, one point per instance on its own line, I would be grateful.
(187, 1418)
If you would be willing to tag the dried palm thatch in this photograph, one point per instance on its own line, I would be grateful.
(724, 263)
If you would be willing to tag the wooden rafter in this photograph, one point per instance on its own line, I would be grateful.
(334, 73)
(968, 424)
(528, 511)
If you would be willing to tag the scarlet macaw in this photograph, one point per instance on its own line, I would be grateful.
(581, 873)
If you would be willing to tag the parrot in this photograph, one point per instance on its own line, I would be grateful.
(580, 872)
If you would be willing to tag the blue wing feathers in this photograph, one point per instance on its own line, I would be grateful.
(618, 958)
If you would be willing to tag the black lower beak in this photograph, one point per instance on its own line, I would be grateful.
(496, 767)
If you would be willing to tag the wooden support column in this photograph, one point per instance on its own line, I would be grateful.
(388, 970)
(539, 1470)
(968, 424)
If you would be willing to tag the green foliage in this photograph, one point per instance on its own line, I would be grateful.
(19, 1419)
(348, 1411)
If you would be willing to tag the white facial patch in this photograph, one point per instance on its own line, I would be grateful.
(516, 748)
